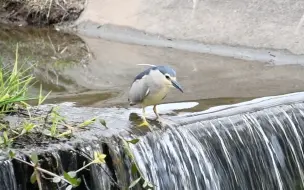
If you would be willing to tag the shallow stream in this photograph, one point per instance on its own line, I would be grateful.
(96, 72)
(257, 145)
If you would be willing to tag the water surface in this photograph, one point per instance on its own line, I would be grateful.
(98, 73)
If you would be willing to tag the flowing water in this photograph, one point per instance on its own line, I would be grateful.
(7, 174)
(259, 148)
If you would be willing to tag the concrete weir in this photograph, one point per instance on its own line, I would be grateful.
(205, 146)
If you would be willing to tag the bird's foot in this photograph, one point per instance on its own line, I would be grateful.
(144, 123)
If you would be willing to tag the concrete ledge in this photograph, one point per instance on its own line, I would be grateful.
(251, 23)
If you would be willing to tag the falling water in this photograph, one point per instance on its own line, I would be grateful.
(16, 175)
(102, 177)
(7, 177)
(257, 150)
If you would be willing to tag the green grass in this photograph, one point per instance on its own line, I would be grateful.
(14, 85)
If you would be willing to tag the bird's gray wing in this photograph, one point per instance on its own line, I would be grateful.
(138, 91)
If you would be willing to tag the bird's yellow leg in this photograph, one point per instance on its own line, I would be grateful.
(144, 123)
(155, 111)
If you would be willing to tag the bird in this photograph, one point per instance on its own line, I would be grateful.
(151, 86)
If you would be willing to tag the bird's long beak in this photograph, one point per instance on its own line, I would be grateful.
(177, 85)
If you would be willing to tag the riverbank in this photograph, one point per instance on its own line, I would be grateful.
(262, 25)
(253, 24)
(40, 12)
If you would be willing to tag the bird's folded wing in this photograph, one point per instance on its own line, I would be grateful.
(139, 90)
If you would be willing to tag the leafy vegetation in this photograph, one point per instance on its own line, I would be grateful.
(14, 85)
(69, 178)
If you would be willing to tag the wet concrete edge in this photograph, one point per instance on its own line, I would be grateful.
(287, 101)
(133, 36)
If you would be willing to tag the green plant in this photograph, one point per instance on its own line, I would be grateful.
(5, 141)
(42, 98)
(56, 118)
(87, 122)
(27, 127)
(13, 86)
(69, 178)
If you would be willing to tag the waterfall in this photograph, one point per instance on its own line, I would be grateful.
(100, 174)
(7, 175)
(254, 150)
(251, 145)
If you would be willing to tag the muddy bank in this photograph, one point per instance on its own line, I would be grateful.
(39, 13)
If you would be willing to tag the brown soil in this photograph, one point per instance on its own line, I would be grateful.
(39, 12)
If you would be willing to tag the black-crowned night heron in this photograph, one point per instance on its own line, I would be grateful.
(151, 86)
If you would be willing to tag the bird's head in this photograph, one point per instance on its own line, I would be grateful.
(169, 77)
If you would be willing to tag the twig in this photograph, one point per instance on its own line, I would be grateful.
(56, 1)
(50, 6)
(38, 178)
(51, 42)
(84, 167)
(42, 170)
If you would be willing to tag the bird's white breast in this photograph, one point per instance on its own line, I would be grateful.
(156, 97)
(158, 89)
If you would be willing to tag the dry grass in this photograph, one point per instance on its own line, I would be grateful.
(41, 12)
